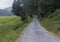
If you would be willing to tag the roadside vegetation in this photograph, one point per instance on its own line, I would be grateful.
(52, 22)
(46, 10)
(11, 28)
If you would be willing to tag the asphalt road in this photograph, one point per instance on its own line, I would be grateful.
(35, 33)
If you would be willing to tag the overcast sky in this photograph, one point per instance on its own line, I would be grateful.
(5, 3)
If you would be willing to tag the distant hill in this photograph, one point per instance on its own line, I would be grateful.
(6, 12)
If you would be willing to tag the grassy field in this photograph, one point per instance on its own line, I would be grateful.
(52, 23)
(8, 28)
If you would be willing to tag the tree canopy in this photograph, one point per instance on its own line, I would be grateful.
(24, 8)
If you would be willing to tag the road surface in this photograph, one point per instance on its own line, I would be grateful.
(35, 33)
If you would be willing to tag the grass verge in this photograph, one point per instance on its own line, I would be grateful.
(8, 25)
(52, 23)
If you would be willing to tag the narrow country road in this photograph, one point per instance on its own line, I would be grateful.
(35, 33)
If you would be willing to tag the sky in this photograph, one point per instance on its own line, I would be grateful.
(5, 3)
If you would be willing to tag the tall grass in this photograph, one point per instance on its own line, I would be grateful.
(8, 28)
(52, 22)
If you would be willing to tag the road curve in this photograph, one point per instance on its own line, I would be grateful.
(35, 33)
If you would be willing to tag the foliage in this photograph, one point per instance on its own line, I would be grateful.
(49, 6)
(52, 22)
(18, 9)
(8, 28)
(41, 8)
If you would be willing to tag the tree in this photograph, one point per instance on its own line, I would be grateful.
(18, 9)
(48, 6)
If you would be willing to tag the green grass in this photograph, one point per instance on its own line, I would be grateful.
(8, 25)
(9, 19)
(52, 22)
